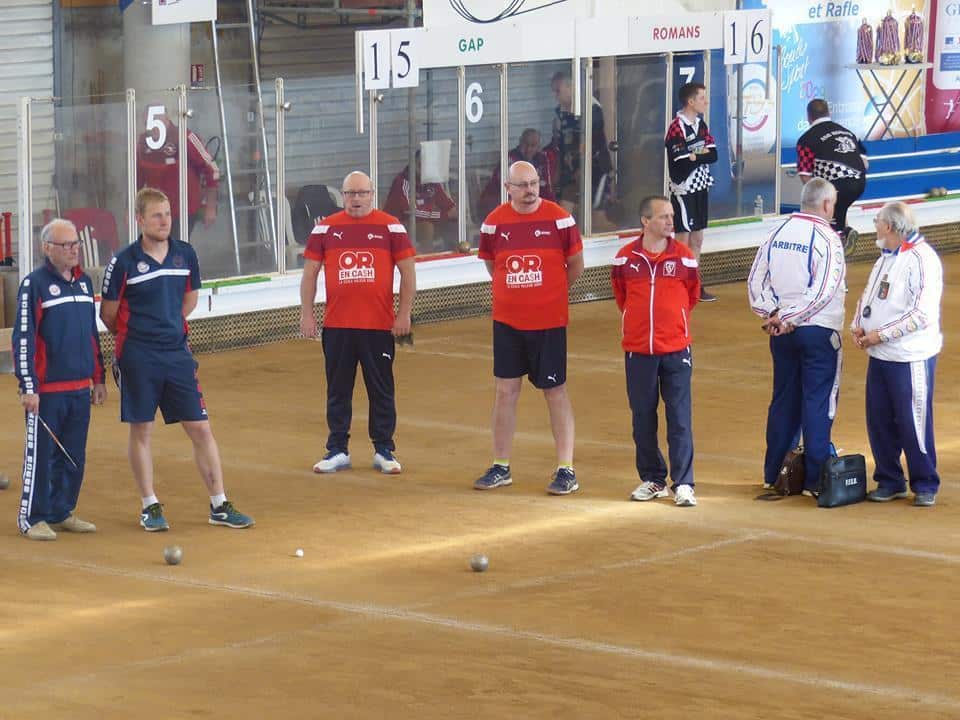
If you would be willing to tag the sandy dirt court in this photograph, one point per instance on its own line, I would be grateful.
(593, 606)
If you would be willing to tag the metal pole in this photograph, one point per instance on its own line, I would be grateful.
(707, 73)
(739, 144)
(462, 155)
(778, 177)
(183, 114)
(411, 11)
(131, 165)
(226, 146)
(25, 194)
(586, 162)
(262, 127)
(358, 80)
(577, 90)
(504, 131)
(281, 109)
(668, 118)
(374, 150)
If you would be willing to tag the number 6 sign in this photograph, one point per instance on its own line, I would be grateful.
(746, 36)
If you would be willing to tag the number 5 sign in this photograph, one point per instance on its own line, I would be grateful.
(389, 58)
(746, 36)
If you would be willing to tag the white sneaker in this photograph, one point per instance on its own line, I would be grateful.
(648, 490)
(332, 462)
(684, 497)
(386, 463)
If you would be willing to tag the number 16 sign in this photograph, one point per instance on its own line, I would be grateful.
(746, 36)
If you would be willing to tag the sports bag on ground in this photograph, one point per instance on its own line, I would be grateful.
(843, 481)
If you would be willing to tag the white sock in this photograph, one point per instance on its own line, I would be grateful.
(148, 501)
(218, 500)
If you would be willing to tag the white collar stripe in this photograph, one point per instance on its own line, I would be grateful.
(68, 299)
(157, 273)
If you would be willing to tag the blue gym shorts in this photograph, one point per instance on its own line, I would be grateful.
(541, 355)
(165, 379)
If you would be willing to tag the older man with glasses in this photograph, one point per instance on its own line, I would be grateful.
(57, 358)
(897, 323)
(358, 249)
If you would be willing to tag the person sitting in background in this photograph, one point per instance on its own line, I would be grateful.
(436, 212)
(528, 148)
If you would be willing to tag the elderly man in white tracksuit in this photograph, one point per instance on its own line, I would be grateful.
(797, 284)
(897, 322)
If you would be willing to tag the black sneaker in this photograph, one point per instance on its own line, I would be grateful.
(564, 482)
(707, 296)
(496, 476)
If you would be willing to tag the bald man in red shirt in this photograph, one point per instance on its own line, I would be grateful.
(533, 252)
(358, 249)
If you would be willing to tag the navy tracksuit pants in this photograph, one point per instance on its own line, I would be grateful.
(650, 377)
(806, 381)
(51, 485)
(343, 349)
(900, 418)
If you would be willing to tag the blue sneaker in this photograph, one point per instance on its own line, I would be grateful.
(924, 499)
(886, 494)
(496, 476)
(152, 520)
(564, 482)
(228, 515)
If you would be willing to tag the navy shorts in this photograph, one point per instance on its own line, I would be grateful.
(541, 355)
(690, 211)
(165, 379)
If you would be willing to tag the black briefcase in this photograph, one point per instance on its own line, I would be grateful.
(843, 481)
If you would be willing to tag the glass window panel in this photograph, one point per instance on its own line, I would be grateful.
(482, 146)
(321, 148)
(80, 173)
(434, 121)
(538, 105)
(211, 230)
(631, 90)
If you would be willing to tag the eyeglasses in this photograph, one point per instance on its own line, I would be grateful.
(67, 245)
(358, 193)
(524, 185)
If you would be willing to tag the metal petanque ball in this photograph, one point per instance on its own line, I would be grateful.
(4, 481)
(173, 554)
(479, 563)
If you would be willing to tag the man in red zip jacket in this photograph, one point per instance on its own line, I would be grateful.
(656, 283)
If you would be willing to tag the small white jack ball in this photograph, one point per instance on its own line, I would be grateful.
(298, 552)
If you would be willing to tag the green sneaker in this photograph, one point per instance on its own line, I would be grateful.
(228, 515)
(152, 520)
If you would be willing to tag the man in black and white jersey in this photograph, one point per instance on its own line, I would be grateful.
(828, 150)
(690, 149)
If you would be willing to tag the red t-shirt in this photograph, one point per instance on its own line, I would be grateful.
(529, 254)
(358, 257)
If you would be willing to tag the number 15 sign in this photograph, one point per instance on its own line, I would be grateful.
(390, 59)
(746, 36)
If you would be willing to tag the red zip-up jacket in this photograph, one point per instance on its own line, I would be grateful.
(655, 296)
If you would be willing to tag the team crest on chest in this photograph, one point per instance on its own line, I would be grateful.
(83, 288)
(54, 290)
(142, 266)
(178, 261)
(670, 268)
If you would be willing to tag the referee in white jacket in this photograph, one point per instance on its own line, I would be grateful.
(797, 284)
(898, 323)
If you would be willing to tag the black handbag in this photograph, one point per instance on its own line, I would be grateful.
(843, 481)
